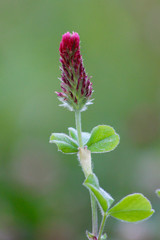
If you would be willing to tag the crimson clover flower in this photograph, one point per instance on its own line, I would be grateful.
(75, 84)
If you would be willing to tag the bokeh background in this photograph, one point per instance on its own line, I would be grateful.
(41, 192)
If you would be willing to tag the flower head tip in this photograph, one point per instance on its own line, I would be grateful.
(75, 84)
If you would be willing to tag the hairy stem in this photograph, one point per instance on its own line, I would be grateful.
(89, 170)
(102, 226)
(94, 215)
(78, 127)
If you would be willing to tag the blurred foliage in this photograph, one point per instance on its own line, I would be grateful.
(121, 50)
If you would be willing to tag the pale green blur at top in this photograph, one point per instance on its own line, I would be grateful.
(41, 192)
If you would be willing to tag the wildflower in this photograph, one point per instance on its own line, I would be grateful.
(75, 84)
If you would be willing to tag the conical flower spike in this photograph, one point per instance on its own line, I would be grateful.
(75, 84)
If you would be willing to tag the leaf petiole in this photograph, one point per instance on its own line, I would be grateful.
(102, 225)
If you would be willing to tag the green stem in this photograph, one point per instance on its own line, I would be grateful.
(78, 127)
(93, 201)
(102, 226)
(94, 215)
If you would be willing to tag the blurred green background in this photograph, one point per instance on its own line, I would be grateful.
(41, 192)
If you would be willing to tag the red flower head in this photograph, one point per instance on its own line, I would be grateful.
(75, 84)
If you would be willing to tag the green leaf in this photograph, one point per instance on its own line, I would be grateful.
(64, 143)
(132, 208)
(73, 134)
(85, 137)
(103, 198)
(158, 192)
(103, 139)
